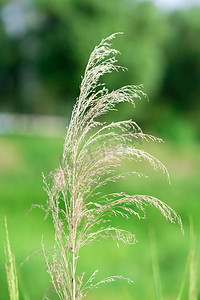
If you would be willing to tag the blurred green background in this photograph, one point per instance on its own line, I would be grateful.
(44, 48)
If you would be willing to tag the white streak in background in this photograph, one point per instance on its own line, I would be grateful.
(17, 16)
(24, 124)
(175, 4)
(13, 16)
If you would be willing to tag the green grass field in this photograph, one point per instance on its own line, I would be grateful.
(23, 159)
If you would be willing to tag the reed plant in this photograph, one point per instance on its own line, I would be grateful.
(92, 151)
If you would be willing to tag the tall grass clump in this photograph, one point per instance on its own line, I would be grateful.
(92, 151)
(11, 270)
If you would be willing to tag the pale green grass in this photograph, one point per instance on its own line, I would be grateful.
(11, 269)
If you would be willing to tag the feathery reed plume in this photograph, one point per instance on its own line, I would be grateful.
(11, 270)
(91, 153)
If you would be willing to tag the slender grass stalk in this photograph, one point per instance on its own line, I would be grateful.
(184, 279)
(92, 151)
(23, 290)
(11, 270)
(155, 265)
(193, 266)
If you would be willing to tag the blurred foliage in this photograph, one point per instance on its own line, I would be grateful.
(23, 159)
(45, 45)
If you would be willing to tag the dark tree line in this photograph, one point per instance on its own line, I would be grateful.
(41, 62)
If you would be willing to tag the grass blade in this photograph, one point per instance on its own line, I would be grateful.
(155, 265)
(193, 268)
(180, 293)
(11, 270)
